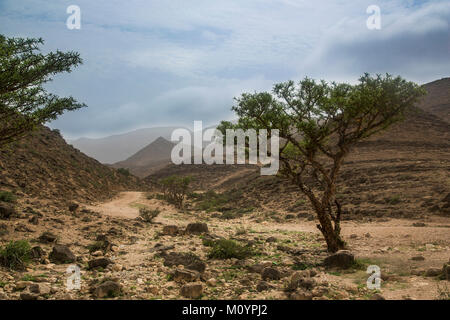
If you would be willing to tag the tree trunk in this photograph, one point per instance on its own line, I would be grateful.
(331, 234)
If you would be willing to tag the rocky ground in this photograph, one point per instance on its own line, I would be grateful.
(122, 257)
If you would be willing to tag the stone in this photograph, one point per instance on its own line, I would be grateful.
(73, 207)
(47, 237)
(301, 295)
(343, 259)
(270, 273)
(153, 290)
(185, 275)
(34, 220)
(197, 227)
(107, 289)
(192, 290)
(28, 296)
(99, 263)
(188, 260)
(418, 258)
(446, 271)
(263, 286)
(170, 230)
(61, 254)
(377, 296)
(117, 267)
(97, 253)
(211, 282)
(433, 272)
(37, 253)
(6, 210)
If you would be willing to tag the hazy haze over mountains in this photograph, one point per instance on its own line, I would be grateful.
(119, 147)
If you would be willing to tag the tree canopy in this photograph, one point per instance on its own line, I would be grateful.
(24, 70)
(318, 123)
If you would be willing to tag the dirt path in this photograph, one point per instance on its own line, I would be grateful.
(125, 205)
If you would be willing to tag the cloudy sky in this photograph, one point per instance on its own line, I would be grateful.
(170, 62)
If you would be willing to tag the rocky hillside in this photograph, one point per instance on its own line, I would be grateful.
(43, 165)
(437, 99)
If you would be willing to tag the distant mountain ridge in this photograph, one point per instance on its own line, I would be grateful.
(119, 147)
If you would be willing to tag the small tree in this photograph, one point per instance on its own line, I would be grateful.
(24, 103)
(318, 124)
(175, 189)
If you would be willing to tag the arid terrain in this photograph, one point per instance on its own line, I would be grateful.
(395, 190)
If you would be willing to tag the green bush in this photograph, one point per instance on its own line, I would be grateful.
(227, 249)
(124, 172)
(15, 255)
(7, 196)
(175, 189)
(148, 215)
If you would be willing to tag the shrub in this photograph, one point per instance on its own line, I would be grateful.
(124, 172)
(15, 255)
(175, 189)
(7, 196)
(148, 215)
(226, 249)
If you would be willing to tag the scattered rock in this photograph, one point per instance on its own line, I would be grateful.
(99, 263)
(171, 230)
(343, 259)
(73, 207)
(34, 220)
(270, 273)
(446, 271)
(377, 296)
(61, 254)
(197, 227)
(47, 237)
(419, 224)
(263, 286)
(301, 295)
(28, 296)
(259, 267)
(188, 260)
(107, 289)
(37, 253)
(192, 290)
(185, 275)
(418, 258)
(353, 236)
(6, 210)
(211, 282)
(433, 272)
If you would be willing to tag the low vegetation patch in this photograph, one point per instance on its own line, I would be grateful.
(7, 196)
(227, 249)
(226, 203)
(148, 215)
(15, 255)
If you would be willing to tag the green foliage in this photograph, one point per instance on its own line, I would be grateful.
(148, 215)
(175, 189)
(226, 203)
(15, 255)
(124, 171)
(318, 123)
(7, 196)
(227, 249)
(24, 102)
